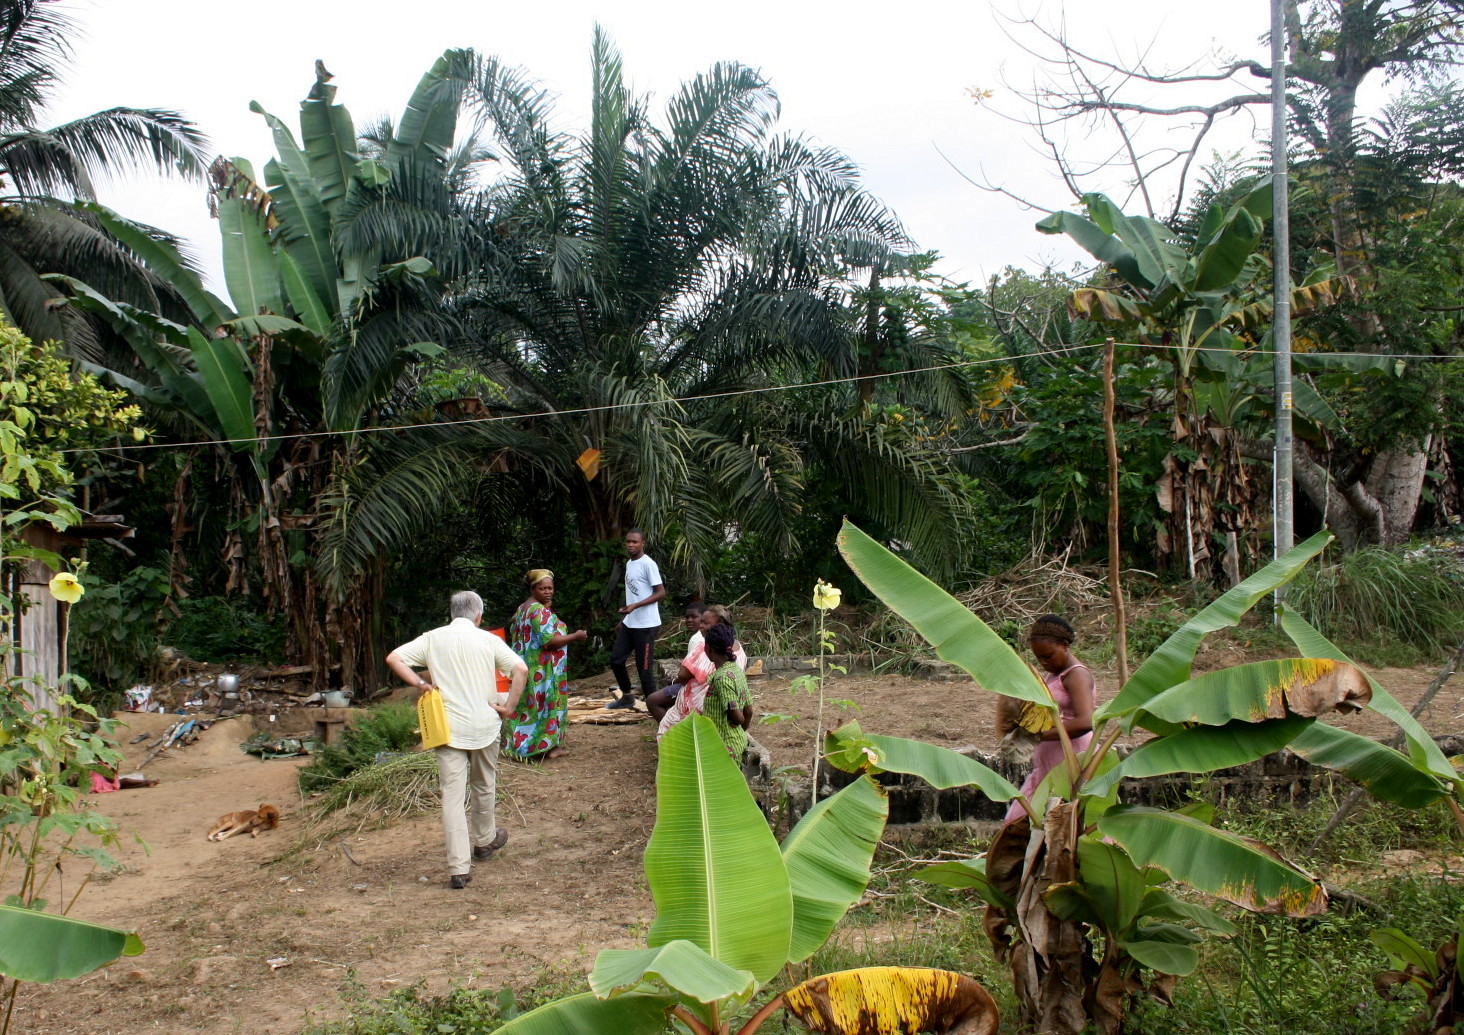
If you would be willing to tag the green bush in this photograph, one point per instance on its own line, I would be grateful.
(407, 1011)
(1380, 598)
(390, 728)
(226, 629)
(114, 629)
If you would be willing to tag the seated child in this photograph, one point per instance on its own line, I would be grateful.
(660, 701)
(728, 702)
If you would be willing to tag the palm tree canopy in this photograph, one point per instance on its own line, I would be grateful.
(43, 171)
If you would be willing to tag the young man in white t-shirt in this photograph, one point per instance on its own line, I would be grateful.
(636, 634)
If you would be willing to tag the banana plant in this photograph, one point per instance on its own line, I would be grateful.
(1434, 972)
(733, 908)
(1202, 305)
(320, 325)
(1079, 862)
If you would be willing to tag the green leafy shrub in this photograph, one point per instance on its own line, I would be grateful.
(1377, 596)
(388, 729)
(407, 1011)
(114, 629)
(226, 629)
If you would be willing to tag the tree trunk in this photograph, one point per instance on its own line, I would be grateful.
(1050, 958)
(1338, 513)
(1395, 480)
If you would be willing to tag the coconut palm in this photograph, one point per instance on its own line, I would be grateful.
(43, 171)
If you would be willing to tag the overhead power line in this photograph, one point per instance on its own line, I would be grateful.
(731, 393)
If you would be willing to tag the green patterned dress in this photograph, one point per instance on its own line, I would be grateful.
(728, 689)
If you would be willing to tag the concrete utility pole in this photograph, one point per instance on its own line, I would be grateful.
(1281, 495)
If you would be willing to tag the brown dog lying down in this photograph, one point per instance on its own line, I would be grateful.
(266, 817)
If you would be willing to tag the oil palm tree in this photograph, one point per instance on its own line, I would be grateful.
(44, 171)
(650, 289)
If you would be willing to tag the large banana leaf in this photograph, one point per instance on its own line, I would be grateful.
(305, 226)
(827, 856)
(166, 261)
(851, 749)
(180, 388)
(1099, 243)
(1203, 749)
(328, 138)
(306, 302)
(44, 947)
(634, 1013)
(1170, 664)
(1224, 258)
(228, 385)
(679, 965)
(429, 123)
(957, 635)
(250, 267)
(1387, 774)
(1261, 690)
(1237, 869)
(714, 866)
(1421, 747)
(879, 1000)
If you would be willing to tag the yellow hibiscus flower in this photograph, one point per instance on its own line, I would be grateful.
(65, 587)
(825, 596)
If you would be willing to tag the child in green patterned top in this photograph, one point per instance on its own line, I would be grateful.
(729, 702)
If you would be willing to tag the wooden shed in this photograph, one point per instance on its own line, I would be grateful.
(37, 624)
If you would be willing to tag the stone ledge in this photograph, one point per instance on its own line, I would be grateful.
(1280, 777)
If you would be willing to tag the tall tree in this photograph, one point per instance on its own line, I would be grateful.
(1335, 47)
(331, 305)
(43, 171)
(647, 292)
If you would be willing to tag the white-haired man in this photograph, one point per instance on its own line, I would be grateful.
(462, 660)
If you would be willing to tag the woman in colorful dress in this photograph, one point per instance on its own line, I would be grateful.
(542, 640)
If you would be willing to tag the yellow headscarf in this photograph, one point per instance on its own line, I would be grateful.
(537, 574)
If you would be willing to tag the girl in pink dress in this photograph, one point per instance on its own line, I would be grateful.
(1071, 685)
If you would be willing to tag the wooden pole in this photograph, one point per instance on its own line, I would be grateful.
(1115, 584)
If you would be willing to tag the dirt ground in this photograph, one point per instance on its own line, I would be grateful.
(568, 883)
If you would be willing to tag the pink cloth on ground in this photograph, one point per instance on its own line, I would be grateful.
(1048, 754)
(101, 785)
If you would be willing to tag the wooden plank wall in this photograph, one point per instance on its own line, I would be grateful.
(37, 634)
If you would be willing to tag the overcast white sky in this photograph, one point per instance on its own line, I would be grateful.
(885, 84)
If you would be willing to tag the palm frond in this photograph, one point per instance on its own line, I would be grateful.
(65, 159)
(34, 45)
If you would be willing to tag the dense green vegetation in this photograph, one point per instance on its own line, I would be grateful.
(468, 341)
(434, 369)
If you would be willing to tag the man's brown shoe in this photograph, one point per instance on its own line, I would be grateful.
(484, 851)
(458, 881)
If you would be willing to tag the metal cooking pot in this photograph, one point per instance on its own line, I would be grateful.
(228, 686)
